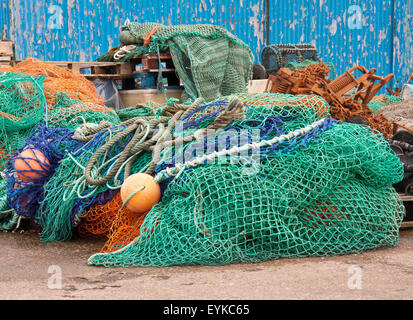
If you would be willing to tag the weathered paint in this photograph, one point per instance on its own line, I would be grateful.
(82, 30)
(90, 27)
(4, 19)
(346, 32)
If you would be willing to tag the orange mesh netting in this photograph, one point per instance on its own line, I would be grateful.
(298, 101)
(59, 80)
(119, 224)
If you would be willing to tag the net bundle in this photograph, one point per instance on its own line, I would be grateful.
(26, 175)
(209, 60)
(22, 106)
(58, 80)
(68, 195)
(70, 113)
(28, 99)
(309, 186)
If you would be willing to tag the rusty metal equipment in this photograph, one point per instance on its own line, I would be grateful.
(344, 106)
(366, 86)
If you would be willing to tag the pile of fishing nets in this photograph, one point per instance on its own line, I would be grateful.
(40, 106)
(210, 61)
(307, 186)
(245, 178)
(58, 80)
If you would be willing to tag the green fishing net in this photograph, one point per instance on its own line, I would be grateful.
(138, 111)
(70, 113)
(67, 194)
(209, 60)
(376, 105)
(324, 190)
(22, 106)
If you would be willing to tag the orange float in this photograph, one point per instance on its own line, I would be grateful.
(139, 192)
(31, 164)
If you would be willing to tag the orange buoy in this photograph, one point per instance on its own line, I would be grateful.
(31, 164)
(139, 192)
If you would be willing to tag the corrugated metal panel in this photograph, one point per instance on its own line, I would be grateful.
(82, 30)
(4, 19)
(90, 27)
(335, 29)
(403, 41)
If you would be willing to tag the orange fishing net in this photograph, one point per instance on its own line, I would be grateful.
(118, 224)
(59, 80)
(298, 101)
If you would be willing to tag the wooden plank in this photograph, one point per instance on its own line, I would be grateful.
(153, 71)
(405, 197)
(5, 58)
(6, 48)
(107, 76)
(407, 224)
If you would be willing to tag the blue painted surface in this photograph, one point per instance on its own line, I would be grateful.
(373, 33)
(4, 19)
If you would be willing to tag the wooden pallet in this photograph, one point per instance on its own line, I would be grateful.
(93, 70)
(6, 48)
(150, 63)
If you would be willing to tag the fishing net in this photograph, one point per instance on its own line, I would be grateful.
(22, 106)
(290, 184)
(24, 97)
(112, 221)
(139, 111)
(58, 80)
(209, 61)
(70, 113)
(67, 193)
(99, 218)
(380, 101)
(25, 183)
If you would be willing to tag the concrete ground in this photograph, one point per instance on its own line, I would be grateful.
(385, 273)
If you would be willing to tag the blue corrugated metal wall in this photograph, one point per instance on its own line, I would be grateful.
(373, 33)
(89, 28)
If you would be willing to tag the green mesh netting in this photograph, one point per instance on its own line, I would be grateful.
(22, 106)
(70, 113)
(328, 193)
(138, 111)
(209, 60)
(376, 105)
(67, 194)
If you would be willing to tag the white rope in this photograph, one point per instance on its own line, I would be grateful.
(123, 51)
(169, 172)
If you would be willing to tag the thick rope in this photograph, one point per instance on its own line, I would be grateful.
(150, 134)
(179, 168)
